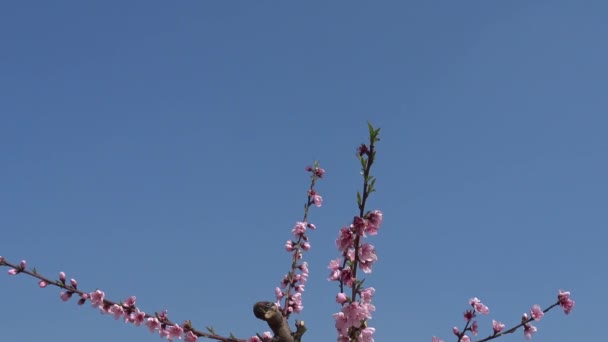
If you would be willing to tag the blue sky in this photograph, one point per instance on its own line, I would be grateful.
(157, 149)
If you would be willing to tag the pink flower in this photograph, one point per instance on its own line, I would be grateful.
(304, 267)
(564, 301)
(367, 295)
(289, 246)
(299, 229)
(97, 298)
(117, 311)
(341, 298)
(367, 335)
(536, 312)
(153, 324)
(190, 337)
(266, 336)
(479, 306)
(529, 329)
(130, 301)
(359, 225)
(65, 296)
(436, 339)
(341, 323)
(497, 326)
(317, 200)
(345, 239)
(334, 266)
(319, 172)
(465, 338)
(175, 331)
(254, 339)
(367, 257)
(474, 328)
(278, 293)
(137, 317)
(374, 221)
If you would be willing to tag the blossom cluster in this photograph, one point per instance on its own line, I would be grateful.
(536, 314)
(351, 320)
(292, 285)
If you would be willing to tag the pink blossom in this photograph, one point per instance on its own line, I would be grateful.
(465, 338)
(254, 339)
(305, 246)
(345, 239)
(436, 339)
(317, 200)
(299, 229)
(529, 329)
(13, 271)
(319, 172)
(374, 222)
(564, 301)
(536, 312)
(97, 298)
(137, 317)
(367, 257)
(304, 267)
(367, 295)
(469, 315)
(289, 246)
(65, 296)
(497, 326)
(359, 225)
(296, 302)
(278, 293)
(474, 328)
(175, 331)
(341, 298)
(479, 306)
(130, 301)
(153, 324)
(42, 284)
(117, 311)
(341, 323)
(334, 266)
(367, 334)
(266, 336)
(191, 337)
(347, 276)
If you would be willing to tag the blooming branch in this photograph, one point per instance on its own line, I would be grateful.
(351, 321)
(536, 314)
(157, 323)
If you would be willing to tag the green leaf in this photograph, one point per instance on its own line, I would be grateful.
(358, 198)
(34, 271)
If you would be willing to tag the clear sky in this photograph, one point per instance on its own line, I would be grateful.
(157, 149)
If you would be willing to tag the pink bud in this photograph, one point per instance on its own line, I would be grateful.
(62, 277)
(341, 298)
(42, 284)
(74, 283)
(22, 264)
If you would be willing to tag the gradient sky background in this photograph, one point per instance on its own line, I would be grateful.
(157, 149)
